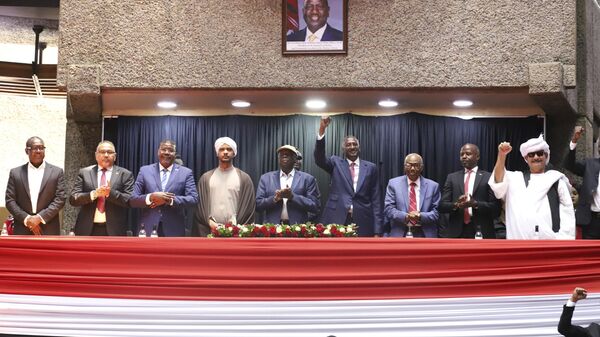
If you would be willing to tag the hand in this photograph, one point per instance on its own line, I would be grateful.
(33, 223)
(161, 198)
(461, 202)
(577, 132)
(414, 215)
(213, 224)
(324, 124)
(103, 191)
(504, 148)
(578, 294)
(286, 193)
(277, 197)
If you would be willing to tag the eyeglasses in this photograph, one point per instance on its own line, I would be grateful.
(540, 153)
(36, 148)
(415, 165)
(103, 152)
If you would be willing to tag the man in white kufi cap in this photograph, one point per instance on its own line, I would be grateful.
(538, 202)
(226, 192)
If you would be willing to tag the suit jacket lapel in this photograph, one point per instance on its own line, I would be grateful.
(478, 179)
(45, 179)
(422, 191)
(156, 172)
(93, 176)
(25, 180)
(295, 180)
(362, 172)
(404, 192)
(174, 172)
(345, 167)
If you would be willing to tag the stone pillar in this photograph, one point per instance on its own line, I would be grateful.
(84, 126)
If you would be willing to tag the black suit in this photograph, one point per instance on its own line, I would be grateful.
(488, 207)
(51, 199)
(589, 170)
(121, 188)
(567, 329)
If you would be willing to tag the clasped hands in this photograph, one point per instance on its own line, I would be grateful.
(414, 216)
(103, 191)
(33, 223)
(283, 193)
(161, 198)
(465, 201)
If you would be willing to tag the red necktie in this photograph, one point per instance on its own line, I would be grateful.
(352, 172)
(466, 210)
(102, 200)
(412, 201)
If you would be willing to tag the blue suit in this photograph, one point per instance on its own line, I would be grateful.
(181, 183)
(396, 205)
(366, 201)
(306, 197)
(330, 34)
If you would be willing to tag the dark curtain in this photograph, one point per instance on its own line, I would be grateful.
(384, 140)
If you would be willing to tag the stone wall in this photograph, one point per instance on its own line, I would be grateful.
(395, 43)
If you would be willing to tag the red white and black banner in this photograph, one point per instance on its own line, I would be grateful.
(74, 286)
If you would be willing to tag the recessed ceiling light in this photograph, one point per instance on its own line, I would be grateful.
(462, 103)
(315, 104)
(238, 103)
(166, 104)
(465, 117)
(388, 103)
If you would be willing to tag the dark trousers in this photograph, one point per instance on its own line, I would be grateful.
(592, 230)
(99, 229)
(468, 231)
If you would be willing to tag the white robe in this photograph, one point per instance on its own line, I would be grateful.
(528, 206)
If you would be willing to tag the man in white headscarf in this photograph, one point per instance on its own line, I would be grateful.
(538, 202)
(226, 192)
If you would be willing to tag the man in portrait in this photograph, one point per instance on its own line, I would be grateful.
(315, 13)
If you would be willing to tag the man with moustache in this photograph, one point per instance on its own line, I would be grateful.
(538, 202)
(287, 196)
(226, 192)
(163, 190)
(354, 193)
(411, 201)
(468, 199)
(102, 191)
(35, 193)
(317, 29)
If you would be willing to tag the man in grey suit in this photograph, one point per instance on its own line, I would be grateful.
(35, 193)
(102, 191)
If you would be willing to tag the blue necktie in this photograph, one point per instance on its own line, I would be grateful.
(163, 179)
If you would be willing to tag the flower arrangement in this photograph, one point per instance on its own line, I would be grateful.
(307, 230)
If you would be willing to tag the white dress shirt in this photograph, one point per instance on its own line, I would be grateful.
(285, 181)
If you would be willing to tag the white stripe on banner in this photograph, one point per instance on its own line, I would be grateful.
(535, 316)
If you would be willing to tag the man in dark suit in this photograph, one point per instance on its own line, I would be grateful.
(411, 201)
(565, 327)
(163, 190)
(317, 29)
(588, 208)
(287, 196)
(102, 191)
(35, 193)
(468, 199)
(354, 193)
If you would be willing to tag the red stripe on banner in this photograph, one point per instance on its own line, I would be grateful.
(294, 269)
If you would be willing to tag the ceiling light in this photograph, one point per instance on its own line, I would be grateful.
(462, 103)
(315, 104)
(465, 117)
(238, 103)
(388, 103)
(166, 104)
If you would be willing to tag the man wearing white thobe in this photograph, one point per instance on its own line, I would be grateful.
(527, 203)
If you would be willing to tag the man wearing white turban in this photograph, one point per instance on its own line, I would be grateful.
(226, 192)
(538, 201)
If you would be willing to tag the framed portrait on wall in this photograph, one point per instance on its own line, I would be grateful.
(314, 27)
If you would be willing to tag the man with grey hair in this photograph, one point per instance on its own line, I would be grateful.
(411, 202)
(35, 193)
(102, 191)
(226, 192)
(538, 202)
